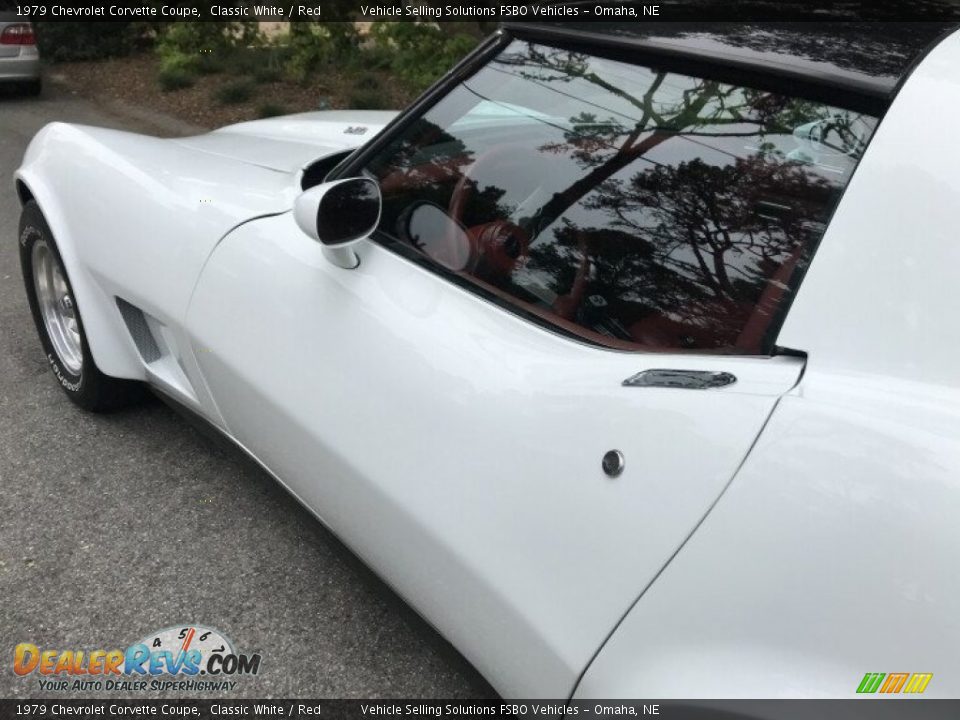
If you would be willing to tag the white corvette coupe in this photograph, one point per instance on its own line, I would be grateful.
(624, 354)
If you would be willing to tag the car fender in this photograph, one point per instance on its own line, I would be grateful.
(114, 354)
(136, 217)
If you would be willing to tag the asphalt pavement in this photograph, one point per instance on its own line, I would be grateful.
(115, 526)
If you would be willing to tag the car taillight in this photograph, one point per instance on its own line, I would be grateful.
(19, 34)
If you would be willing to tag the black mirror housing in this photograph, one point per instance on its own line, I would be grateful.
(340, 212)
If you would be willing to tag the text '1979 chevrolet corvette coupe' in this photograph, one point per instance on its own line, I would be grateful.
(538, 348)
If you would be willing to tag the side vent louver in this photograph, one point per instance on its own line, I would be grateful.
(139, 331)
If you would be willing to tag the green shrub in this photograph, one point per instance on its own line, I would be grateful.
(177, 71)
(175, 79)
(180, 61)
(312, 45)
(367, 99)
(266, 110)
(375, 57)
(421, 53)
(235, 92)
(263, 64)
(210, 63)
(87, 40)
(266, 74)
(202, 38)
(367, 81)
(203, 47)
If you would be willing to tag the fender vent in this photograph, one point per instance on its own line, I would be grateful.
(139, 331)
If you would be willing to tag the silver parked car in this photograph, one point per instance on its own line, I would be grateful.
(19, 57)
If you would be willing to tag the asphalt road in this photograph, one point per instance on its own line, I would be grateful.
(112, 527)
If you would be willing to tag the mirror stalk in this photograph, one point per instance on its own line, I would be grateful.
(343, 257)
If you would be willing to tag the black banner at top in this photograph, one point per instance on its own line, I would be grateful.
(478, 10)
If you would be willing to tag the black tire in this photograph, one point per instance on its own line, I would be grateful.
(33, 87)
(87, 387)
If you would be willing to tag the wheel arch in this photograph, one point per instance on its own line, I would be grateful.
(23, 192)
(128, 228)
(109, 341)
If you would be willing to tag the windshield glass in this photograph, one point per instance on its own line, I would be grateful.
(632, 207)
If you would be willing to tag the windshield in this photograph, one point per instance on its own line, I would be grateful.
(633, 207)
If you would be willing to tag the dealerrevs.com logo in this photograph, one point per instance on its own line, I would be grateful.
(185, 658)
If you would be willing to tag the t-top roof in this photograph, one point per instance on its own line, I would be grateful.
(857, 63)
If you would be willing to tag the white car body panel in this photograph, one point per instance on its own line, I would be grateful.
(182, 219)
(887, 261)
(457, 447)
(834, 551)
(146, 233)
(831, 555)
(467, 472)
(289, 143)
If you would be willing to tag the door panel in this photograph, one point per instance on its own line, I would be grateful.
(457, 448)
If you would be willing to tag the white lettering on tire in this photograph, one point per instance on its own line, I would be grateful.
(71, 386)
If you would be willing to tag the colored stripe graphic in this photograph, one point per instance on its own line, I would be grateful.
(870, 682)
(894, 683)
(918, 682)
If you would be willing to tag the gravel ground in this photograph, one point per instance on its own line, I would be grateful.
(116, 526)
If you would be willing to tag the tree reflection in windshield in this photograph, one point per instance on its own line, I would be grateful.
(637, 208)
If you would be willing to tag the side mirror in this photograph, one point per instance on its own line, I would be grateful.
(339, 213)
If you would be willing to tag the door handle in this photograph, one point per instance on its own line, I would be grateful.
(686, 379)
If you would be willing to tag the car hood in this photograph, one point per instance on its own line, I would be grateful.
(292, 142)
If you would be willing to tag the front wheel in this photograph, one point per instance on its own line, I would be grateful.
(59, 323)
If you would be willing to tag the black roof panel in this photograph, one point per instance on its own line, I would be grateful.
(866, 60)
